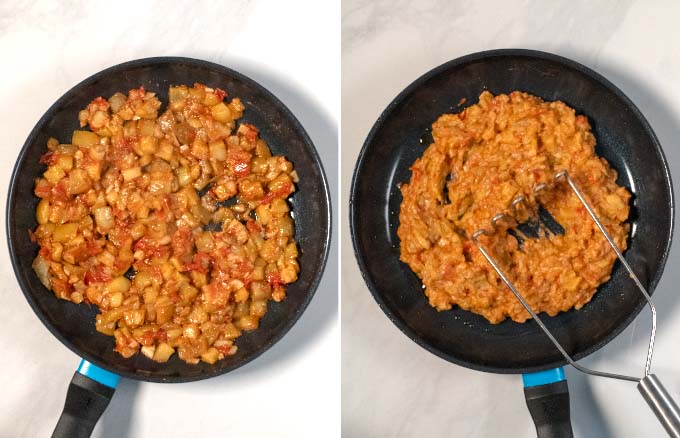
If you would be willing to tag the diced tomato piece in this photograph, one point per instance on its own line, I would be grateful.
(98, 104)
(122, 265)
(252, 226)
(217, 294)
(274, 280)
(242, 168)
(97, 274)
(162, 335)
(200, 263)
(282, 192)
(45, 252)
(48, 158)
(249, 131)
(239, 162)
(60, 191)
(143, 244)
(149, 337)
(43, 189)
(60, 287)
(94, 248)
(202, 257)
(220, 93)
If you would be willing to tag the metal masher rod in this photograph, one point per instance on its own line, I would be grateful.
(538, 320)
(564, 175)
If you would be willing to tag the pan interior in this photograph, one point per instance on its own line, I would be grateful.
(74, 324)
(623, 137)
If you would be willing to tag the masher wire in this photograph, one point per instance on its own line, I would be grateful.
(563, 175)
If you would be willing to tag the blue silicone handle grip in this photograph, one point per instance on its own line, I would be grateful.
(543, 377)
(98, 374)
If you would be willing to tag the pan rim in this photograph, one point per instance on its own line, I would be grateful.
(297, 127)
(354, 221)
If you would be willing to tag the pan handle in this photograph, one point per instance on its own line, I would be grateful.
(547, 397)
(88, 395)
(661, 403)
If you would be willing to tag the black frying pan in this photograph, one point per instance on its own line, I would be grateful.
(73, 324)
(400, 135)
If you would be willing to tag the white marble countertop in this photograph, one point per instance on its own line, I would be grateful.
(391, 386)
(47, 47)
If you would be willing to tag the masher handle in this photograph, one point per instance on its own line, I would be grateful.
(662, 404)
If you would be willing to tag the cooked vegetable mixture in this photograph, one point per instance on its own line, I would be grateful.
(481, 159)
(176, 226)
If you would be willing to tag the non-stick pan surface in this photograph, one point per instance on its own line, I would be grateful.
(401, 134)
(73, 324)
